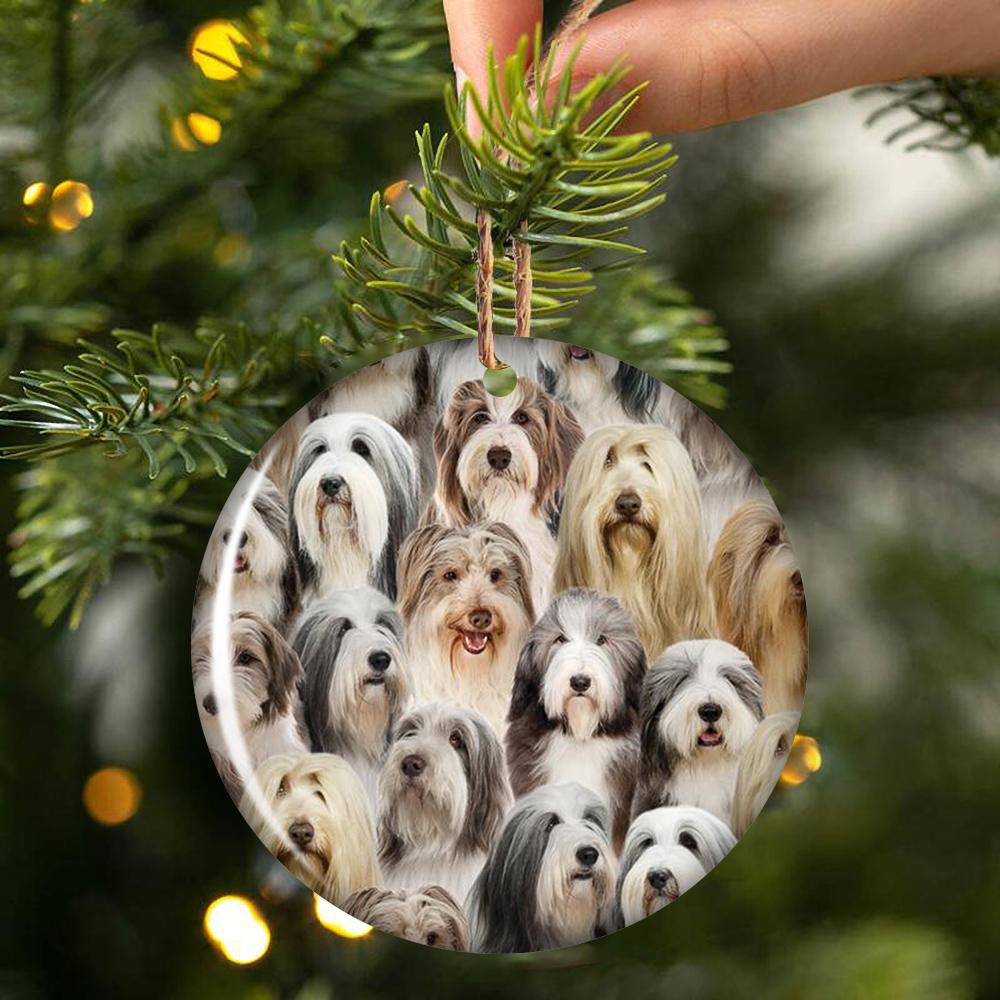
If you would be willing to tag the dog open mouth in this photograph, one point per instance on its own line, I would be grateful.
(580, 353)
(375, 680)
(583, 875)
(711, 737)
(474, 642)
(240, 564)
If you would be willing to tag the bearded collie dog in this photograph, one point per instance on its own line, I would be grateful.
(760, 602)
(631, 527)
(761, 765)
(465, 595)
(505, 459)
(667, 851)
(574, 710)
(246, 703)
(549, 880)
(353, 498)
(260, 567)
(699, 708)
(311, 813)
(356, 683)
(429, 915)
(442, 796)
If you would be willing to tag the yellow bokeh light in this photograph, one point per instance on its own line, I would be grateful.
(231, 250)
(396, 190)
(234, 925)
(213, 49)
(181, 137)
(112, 796)
(34, 193)
(804, 759)
(206, 129)
(337, 920)
(71, 204)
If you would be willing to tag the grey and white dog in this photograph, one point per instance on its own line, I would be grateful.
(574, 711)
(353, 498)
(667, 851)
(442, 796)
(549, 880)
(700, 705)
(356, 684)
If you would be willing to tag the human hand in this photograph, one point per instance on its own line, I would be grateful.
(713, 61)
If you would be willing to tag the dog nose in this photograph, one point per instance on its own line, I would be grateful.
(499, 458)
(710, 712)
(587, 856)
(481, 619)
(579, 682)
(208, 703)
(379, 661)
(331, 485)
(658, 878)
(301, 833)
(628, 504)
(412, 765)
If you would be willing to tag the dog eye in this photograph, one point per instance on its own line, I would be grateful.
(481, 417)
(456, 741)
(647, 467)
(646, 843)
(451, 575)
(345, 627)
(553, 822)
(432, 939)
(282, 788)
(495, 575)
(359, 447)
(244, 657)
(609, 460)
(687, 840)
(321, 796)
(601, 640)
(561, 639)
(773, 536)
(520, 417)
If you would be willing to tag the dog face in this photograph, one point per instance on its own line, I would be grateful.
(352, 497)
(429, 915)
(466, 590)
(312, 814)
(667, 851)
(492, 450)
(702, 697)
(264, 672)
(356, 682)
(547, 882)
(441, 782)
(583, 664)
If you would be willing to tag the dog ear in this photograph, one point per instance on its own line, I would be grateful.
(637, 392)
(285, 670)
(565, 435)
(414, 565)
(524, 692)
(488, 792)
(440, 894)
(361, 903)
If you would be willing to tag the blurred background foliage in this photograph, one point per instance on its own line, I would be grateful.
(858, 288)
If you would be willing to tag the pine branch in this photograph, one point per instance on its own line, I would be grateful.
(548, 178)
(945, 112)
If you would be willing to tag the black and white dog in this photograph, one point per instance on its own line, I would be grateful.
(356, 683)
(667, 851)
(549, 880)
(700, 705)
(574, 711)
(353, 499)
(442, 796)
(260, 567)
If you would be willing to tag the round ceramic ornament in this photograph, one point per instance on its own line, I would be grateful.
(499, 672)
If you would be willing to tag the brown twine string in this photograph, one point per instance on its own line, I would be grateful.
(576, 17)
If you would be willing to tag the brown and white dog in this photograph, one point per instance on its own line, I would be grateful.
(429, 915)
(465, 596)
(246, 703)
(505, 459)
(760, 603)
(631, 527)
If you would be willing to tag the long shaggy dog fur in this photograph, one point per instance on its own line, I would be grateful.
(353, 498)
(574, 710)
(760, 767)
(312, 815)
(248, 700)
(356, 681)
(699, 708)
(263, 574)
(631, 526)
(429, 915)
(549, 880)
(442, 795)
(465, 595)
(667, 851)
(505, 459)
(760, 602)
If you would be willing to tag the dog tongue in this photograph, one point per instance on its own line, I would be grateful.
(474, 642)
(580, 353)
(710, 738)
